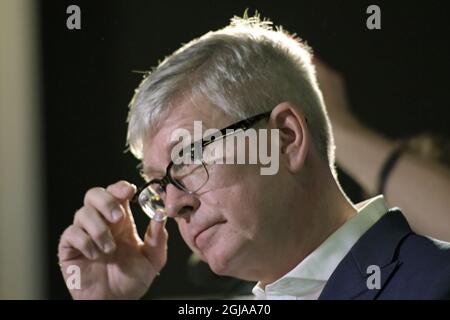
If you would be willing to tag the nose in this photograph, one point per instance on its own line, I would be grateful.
(179, 203)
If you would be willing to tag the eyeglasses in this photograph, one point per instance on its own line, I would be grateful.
(188, 176)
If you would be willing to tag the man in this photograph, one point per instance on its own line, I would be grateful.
(295, 232)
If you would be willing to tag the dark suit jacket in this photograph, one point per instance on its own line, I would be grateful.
(411, 266)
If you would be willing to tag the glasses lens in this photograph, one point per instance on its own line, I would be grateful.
(151, 200)
(190, 176)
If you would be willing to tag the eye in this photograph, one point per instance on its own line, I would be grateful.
(156, 188)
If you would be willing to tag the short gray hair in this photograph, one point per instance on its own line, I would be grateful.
(244, 69)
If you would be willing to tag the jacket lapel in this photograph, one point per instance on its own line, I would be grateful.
(376, 248)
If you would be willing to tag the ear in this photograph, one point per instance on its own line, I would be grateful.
(294, 138)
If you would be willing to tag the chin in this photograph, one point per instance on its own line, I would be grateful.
(219, 267)
(222, 261)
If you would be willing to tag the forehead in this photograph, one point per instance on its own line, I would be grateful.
(157, 145)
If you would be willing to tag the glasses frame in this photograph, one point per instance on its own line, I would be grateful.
(168, 179)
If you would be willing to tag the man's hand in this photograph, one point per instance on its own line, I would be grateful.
(103, 242)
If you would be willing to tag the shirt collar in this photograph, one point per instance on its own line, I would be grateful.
(309, 277)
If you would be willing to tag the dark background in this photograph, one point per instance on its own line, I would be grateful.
(397, 79)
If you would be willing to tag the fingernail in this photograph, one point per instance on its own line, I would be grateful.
(109, 247)
(116, 215)
(94, 254)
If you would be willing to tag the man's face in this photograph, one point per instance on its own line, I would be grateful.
(236, 220)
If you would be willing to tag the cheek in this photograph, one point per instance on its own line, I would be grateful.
(182, 227)
(254, 207)
(237, 206)
(240, 199)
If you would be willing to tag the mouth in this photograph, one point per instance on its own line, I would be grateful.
(204, 233)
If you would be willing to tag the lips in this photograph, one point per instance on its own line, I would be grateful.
(204, 229)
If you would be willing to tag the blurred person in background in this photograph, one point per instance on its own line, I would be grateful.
(413, 173)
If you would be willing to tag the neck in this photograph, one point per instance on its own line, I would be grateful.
(319, 218)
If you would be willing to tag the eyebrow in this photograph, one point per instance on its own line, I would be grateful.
(146, 170)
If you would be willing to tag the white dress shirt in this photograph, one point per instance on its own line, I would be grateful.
(307, 280)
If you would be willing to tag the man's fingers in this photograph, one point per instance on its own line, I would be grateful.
(122, 190)
(91, 234)
(74, 238)
(105, 203)
(91, 221)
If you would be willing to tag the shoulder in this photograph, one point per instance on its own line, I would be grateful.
(424, 266)
(421, 246)
(425, 253)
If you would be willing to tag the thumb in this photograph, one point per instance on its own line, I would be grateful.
(154, 247)
(156, 234)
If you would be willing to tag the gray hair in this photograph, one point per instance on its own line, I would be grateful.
(244, 69)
